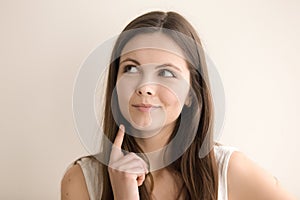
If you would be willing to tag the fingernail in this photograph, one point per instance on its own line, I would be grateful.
(122, 127)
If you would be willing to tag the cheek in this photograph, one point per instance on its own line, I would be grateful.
(168, 98)
(173, 99)
(125, 89)
(175, 95)
(172, 104)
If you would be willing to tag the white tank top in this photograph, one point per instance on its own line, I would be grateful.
(91, 170)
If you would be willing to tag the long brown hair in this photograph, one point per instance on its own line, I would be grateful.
(199, 175)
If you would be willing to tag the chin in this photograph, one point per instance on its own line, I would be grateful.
(144, 131)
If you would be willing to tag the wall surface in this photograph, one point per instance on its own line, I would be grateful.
(254, 44)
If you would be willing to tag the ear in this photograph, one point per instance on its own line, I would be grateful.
(188, 101)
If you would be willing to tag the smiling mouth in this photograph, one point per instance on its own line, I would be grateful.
(145, 107)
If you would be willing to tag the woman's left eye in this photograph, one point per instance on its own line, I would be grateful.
(166, 73)
(130, 69)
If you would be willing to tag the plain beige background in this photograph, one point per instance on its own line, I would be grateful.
(254, 44)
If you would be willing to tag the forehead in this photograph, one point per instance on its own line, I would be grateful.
(154, 48)
(157, 40)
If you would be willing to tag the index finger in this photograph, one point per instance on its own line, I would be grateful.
(119, 137)
(116, 151)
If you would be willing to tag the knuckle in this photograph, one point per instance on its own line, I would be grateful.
(131, 154)
(114, 168)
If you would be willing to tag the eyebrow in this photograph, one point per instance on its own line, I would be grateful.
(131, 60)
(159, 66)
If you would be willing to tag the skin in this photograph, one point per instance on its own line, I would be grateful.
(73, 185)
(126, 172)
(155, 76)
(153, 61)
(151, 74)
(245, 179)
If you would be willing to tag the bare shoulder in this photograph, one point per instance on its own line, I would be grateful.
(73, 185)
(247, 180)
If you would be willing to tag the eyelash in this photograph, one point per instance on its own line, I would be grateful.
(169, 71)
(126, 69)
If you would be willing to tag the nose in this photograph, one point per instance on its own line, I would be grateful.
(146, 90)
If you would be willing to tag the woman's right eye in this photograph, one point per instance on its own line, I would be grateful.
(130, 69)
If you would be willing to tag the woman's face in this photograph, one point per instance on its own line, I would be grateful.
(152, 82)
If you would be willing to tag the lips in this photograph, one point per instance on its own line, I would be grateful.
(145, 107)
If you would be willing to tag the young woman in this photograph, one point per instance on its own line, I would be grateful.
(159, 119)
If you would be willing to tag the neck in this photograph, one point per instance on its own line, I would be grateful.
(154, 146)
(157, 141)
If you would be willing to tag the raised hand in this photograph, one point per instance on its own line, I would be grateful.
(126, 172)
